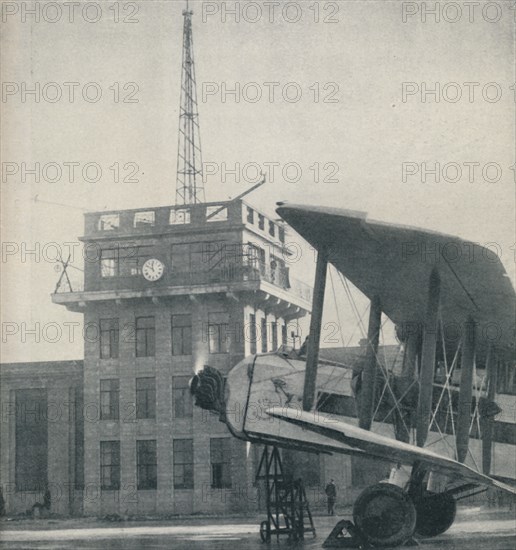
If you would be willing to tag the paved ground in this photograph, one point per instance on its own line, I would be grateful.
(475, 529)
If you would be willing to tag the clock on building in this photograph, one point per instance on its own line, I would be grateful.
(153, 269)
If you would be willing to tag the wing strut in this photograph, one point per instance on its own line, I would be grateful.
(312, 353)
(465, 389)
(368, 387)
(424, 406)
(487, 435)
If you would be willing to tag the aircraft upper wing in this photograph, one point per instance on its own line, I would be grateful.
(395, 263)
(379, 446)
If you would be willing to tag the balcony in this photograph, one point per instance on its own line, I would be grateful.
(229, 277)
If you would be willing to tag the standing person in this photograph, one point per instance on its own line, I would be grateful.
(331, 493)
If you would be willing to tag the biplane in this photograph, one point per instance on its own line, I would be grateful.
(453, 307)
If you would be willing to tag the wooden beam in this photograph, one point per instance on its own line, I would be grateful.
(368, 385)
(465, 389)
(426, 378)
(314, 337)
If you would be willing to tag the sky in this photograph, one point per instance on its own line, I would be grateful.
(335, 96)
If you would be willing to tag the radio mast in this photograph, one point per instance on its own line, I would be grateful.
(189, 183)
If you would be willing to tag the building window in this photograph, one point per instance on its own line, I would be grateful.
(142, 219)
(147, 464)
(216, 214)
(250, 215)
(109, 399)
(182, 334)
(109, 263)
(109, 222)
(281, 234)
(145, 337)
(274, 336)
(31, 440)
(183, 464)
(272, 228)
(284, 335)
(132, 260)
(110, 465)
(182, 398)
(220, 459)
(146, 397)
(263, 335)
(179, 216)
(506, 382)
(252, 332)
(109, 338)
(218, 332)
(261, 222)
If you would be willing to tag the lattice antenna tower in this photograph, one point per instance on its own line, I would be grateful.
(189, 184)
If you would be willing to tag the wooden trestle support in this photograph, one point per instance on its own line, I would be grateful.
(288, 512)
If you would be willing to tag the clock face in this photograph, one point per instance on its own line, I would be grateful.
(153, 269)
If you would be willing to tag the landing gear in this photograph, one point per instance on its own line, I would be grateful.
(435, 513)
(385, 515)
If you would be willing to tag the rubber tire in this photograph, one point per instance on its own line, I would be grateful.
(265, 531)
(398, 515)
(435, 514)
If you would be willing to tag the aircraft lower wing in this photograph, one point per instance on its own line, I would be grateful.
(379, 446)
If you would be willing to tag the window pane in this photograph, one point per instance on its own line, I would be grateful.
(108, 222)
(182, 334)
(146, 398)
(145, 337)
(264, 335)
(146, 464)
(144, 218)
(110, 464)
(182, 398)
(109, 338)
(274, 331)
(179, 216)
(220, 459)
(183, 463)
(252, 332)
(108, 267)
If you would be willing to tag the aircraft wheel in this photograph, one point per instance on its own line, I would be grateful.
(385, 515)
(435, 514)
(265, 531)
